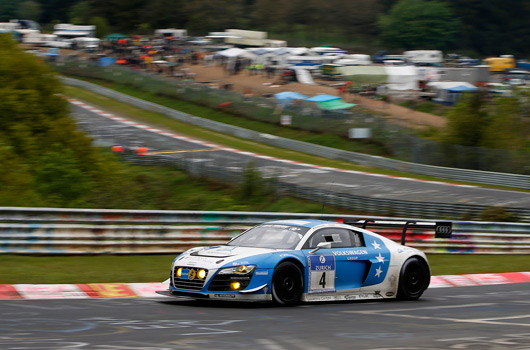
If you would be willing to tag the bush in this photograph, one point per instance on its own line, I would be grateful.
(496, 214)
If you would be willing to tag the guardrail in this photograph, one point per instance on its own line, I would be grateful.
(327, 197)
(475, 176)
(89, 231)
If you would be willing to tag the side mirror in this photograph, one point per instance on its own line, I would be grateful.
(325, 245)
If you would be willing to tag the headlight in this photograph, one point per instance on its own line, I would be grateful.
(238, 270)
(201, 274)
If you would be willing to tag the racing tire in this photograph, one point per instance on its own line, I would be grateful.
(414, 279)
(287, 284)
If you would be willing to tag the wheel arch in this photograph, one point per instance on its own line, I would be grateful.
(297, 262)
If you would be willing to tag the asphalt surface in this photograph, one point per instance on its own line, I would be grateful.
(109, 132)
(485, 317)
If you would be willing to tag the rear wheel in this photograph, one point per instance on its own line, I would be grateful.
(414, 279)
(287, 284)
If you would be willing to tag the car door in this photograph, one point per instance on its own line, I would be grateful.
(342, 267)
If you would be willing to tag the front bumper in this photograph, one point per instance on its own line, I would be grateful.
(234, 296)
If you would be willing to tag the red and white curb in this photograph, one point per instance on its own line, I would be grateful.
(148, 290)
(207, 144)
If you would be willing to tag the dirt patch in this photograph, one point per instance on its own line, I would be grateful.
(259, 84)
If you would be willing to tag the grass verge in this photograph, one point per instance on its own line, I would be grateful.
(163, 122)
(19, 269)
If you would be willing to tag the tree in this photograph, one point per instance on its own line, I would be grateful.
(493, 28)
(419, 24)
(102, 26)
(467, 120)
(60, 178)
(507, 127)
(34, 120)
(29, 9)
(8, 9)
(79, 13)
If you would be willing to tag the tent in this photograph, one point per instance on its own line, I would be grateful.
(287, 96)
(335, 105)
(116, 36)
(448, 92)
(402, 77)
(462, 88)
(322, 98)
(330, 102)
(397, 77)
(364, 74)
(236, 52)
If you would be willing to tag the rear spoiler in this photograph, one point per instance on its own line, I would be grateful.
(442, 229)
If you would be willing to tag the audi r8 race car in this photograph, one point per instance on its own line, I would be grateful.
(290, 261)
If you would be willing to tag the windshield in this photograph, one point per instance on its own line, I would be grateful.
(270, 236)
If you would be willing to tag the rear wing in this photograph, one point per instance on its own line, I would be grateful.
(442, 229)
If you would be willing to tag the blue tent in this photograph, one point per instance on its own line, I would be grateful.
(287, 96)
(322, 98)
(106, 61)
(461, 88)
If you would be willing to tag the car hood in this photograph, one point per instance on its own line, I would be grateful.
(215, 257)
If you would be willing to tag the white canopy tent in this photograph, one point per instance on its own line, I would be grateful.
(236, 52)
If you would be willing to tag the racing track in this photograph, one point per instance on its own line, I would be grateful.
(484, 317)
(109, 129)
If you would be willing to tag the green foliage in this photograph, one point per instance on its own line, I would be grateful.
(502, 123)
(8, 9)
(467, 120)
(254, 186)
(493, 28)
(496, 214)
(79, 13)
(60, 179)
(29, 9)
(419, 24)
(102, 26)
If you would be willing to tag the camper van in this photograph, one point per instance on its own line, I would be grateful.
(500, 64)
(310, 62)
(424, 57)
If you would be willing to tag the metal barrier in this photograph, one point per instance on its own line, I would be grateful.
(384, 206)
(88, 231)
(475, 176)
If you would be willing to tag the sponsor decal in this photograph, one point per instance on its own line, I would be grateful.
(261, 273)
(321, 273)
(227, 296)
(351, 252)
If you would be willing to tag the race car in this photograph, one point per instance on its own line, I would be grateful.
(292, 261)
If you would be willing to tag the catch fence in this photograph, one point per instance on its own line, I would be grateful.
(401, 142)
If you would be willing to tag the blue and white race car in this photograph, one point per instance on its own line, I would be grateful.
(290, 261)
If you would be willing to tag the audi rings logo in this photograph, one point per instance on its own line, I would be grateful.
(443, 229)
(322, 259)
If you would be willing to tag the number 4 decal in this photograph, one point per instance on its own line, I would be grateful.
(322, 281)
(321, 273)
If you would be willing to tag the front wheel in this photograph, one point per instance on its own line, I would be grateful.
(414, 279)
(287, 284)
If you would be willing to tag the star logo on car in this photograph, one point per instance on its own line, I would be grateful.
(376, 245)
(378, 272)
(380, 258)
